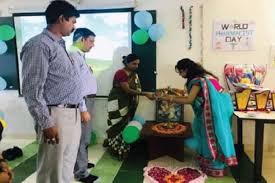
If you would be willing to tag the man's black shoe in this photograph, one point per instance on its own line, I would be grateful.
(90, 179)
(90, 165)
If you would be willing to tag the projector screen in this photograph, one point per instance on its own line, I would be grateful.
(113, 40)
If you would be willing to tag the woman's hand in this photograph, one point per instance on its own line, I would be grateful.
(149, 95)
(168, 98)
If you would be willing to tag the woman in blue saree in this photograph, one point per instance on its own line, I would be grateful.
(212, 137)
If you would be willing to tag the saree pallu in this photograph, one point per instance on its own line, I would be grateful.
(121, 110)
(212, 129)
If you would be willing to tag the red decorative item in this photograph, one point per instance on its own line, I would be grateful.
(169, 128)
(189, 174)
(157, 174)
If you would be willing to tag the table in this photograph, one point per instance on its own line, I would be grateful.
(260, 119)
(165, 144)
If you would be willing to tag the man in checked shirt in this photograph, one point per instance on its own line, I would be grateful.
(52, 89)
(83, 41)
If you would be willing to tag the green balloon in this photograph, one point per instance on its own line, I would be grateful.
(6, 32)
(140, 36)
(130, 134)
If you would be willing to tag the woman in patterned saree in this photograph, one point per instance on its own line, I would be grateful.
(212, 138)
(122, 104)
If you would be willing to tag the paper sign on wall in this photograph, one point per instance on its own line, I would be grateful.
(233, 35)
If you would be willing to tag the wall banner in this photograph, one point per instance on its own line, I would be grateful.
(233, 35)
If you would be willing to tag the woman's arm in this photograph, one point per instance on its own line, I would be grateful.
(127, 89)
(184, 99)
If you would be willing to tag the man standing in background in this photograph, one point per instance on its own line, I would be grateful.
(52, 89)
(83, 41)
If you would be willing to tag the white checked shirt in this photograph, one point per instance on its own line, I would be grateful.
(49, 76)
(88, 79)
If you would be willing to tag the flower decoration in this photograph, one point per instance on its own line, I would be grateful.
(157, 174)
(174, 178)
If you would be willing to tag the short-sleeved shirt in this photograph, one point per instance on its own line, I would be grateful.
(120, 77)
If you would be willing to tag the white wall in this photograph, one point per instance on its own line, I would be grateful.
(16, 114)
(173, 46)
(263, 13)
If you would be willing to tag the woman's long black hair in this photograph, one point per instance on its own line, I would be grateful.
(193, 69)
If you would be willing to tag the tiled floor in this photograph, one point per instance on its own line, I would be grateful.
(96, 152)
(268, 164)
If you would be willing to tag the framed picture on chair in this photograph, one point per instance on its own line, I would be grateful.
(169, 112)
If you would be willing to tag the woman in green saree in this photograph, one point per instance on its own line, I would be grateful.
(122, 105)
(213, 109)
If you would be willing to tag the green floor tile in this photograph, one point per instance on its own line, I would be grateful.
(225, 179)
(129, 176)
(28, 152)
(24, 170)
(106, 168)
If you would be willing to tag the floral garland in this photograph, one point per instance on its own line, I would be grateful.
(190, 27)
(182, 17)
(174, 178)
(169, 128)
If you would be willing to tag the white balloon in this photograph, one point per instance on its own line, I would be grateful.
(3, 84)
(136, 124)
(143, 19)
(156, 31)
(3, 47)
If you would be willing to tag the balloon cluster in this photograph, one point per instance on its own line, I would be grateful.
(131, 132)
(144, 20)
(6, 33)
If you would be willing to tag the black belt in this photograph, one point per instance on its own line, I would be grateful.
(65, 105)
(91, 96)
